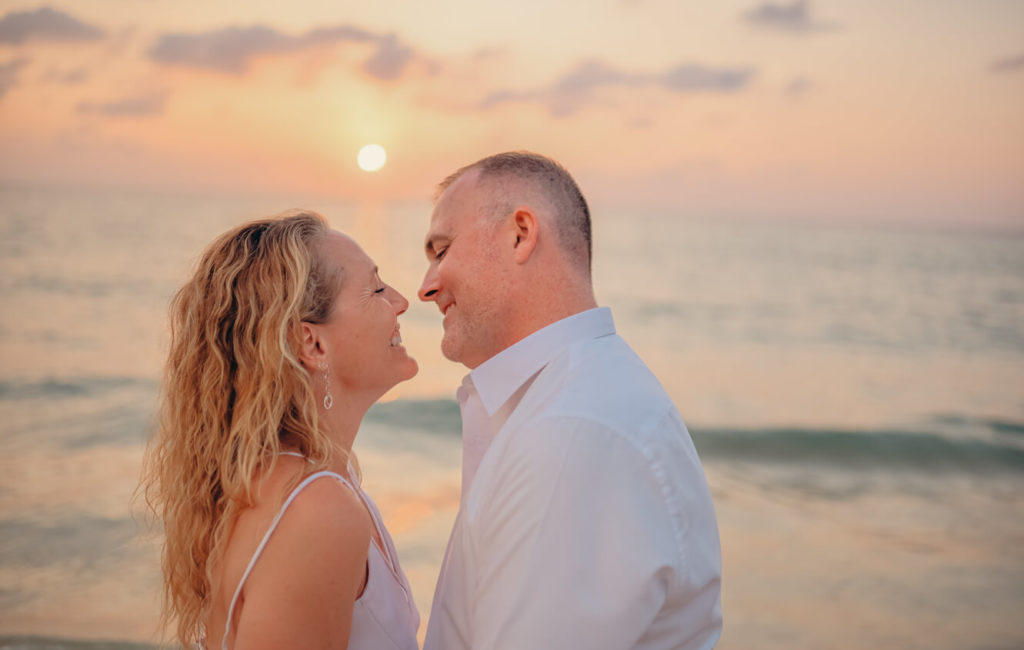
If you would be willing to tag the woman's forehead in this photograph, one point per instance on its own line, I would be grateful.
(344, 251)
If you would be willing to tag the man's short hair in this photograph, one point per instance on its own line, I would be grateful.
(572, 216)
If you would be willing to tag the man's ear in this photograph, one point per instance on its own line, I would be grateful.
(311, 352)
(526, 227)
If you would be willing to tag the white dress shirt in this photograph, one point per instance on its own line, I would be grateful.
(586, 521)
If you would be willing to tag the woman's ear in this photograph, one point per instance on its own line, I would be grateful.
(526, 227)
(311, 352)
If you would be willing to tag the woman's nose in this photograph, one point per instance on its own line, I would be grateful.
(399, 301)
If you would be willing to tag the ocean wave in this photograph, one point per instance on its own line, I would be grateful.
(51, 643)
(61, 285)
(440, 416)
(946, 442)
(68, 387)
(952, 443)
(860, 450)
(997, 426)
(84, 540)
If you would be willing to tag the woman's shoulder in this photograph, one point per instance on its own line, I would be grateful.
(318, 513)
(322, 529)
(326, 503)
(305, 533)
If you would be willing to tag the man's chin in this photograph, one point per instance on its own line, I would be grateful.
(449, 350)
(456, 353)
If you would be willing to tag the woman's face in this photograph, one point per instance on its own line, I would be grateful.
(360, 338)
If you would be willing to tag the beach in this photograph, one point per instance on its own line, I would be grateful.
(854, 390)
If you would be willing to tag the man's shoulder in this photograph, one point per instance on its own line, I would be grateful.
(605, 382)
(607, 371)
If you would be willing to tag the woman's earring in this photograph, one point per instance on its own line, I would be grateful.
(328, 398)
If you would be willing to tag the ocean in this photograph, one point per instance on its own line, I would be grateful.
(856, 392)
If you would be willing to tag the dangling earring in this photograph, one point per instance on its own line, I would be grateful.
(328, 398)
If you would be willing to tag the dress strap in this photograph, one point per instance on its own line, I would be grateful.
(266, 538)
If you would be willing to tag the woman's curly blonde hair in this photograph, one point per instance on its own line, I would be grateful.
(234, 390)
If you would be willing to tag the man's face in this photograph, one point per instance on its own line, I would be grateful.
(464, 276)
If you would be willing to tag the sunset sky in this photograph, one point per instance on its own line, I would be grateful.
(905, 110)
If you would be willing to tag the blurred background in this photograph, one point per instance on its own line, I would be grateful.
(808, 220)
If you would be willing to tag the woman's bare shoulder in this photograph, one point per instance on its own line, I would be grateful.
(326, 502)
(332, 510)
(321, 543)
(312, 568)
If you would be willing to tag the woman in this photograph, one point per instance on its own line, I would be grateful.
(280, 343)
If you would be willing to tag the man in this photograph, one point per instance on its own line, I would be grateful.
(585, 520)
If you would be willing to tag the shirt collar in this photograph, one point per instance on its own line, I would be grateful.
(500, 376)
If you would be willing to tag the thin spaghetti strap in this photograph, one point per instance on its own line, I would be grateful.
(291, 453)
(266, 538)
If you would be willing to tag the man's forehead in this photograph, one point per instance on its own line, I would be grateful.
(453, 205)
(462, 184)
(439, 220)
(438, 230)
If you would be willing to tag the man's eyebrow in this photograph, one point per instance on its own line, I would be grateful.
(430, 244)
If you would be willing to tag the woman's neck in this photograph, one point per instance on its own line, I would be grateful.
(343, 420)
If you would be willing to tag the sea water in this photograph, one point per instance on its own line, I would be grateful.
(856, 392)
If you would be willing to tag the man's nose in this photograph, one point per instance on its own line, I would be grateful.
(428, 290)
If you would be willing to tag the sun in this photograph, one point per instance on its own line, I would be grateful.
(372, 157)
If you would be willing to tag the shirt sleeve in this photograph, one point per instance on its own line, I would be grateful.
(575, 547)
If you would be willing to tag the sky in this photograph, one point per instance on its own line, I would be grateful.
(905, 110)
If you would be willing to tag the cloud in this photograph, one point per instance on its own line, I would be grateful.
(572, 91)
(489, 53)
(792, 18)
(797, 88)
(339, 33)
(693, 78)
(141, 106)
(390, 59)
(68, 77)
(226, 50)
(231, 48)
(45, 24)
(9, 74)
(1008, 64)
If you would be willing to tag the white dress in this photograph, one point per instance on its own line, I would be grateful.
(385, 615)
